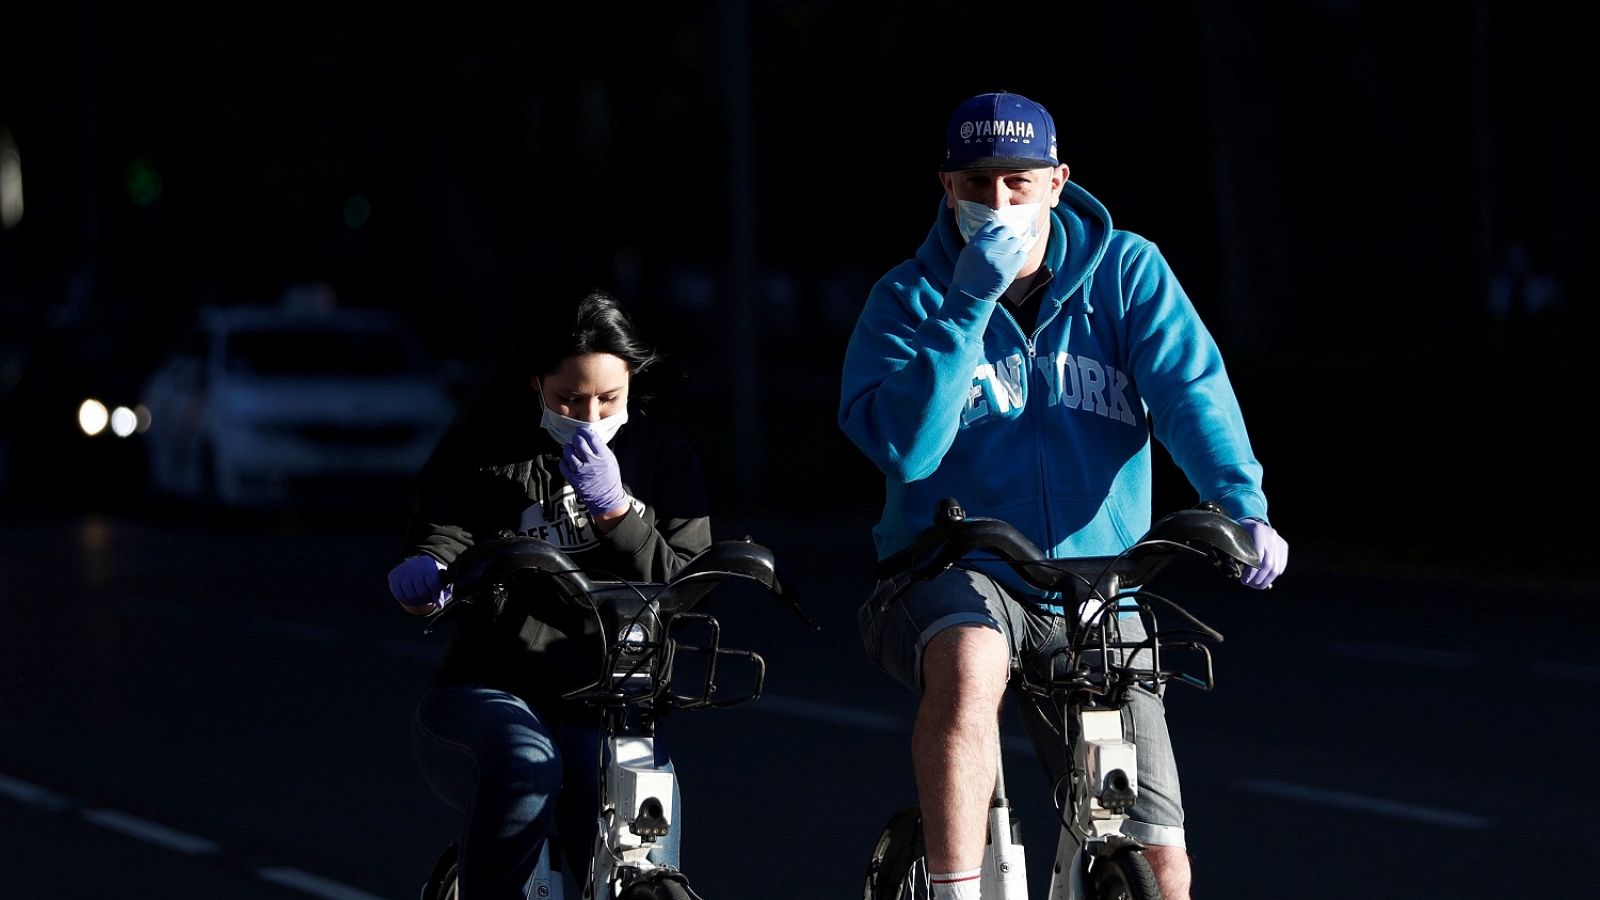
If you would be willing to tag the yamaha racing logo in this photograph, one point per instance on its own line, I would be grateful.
(992, 130)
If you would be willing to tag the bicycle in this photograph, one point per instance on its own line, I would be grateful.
(634, 630)
(1093, 861)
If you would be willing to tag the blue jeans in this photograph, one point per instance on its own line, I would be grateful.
(513, 773)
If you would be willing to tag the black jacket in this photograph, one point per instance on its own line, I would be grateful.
(497, 470)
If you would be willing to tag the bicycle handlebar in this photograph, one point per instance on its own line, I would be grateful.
(727, 559)
(1204, 529)
(492, 564)
(630, 623)
(483, 566)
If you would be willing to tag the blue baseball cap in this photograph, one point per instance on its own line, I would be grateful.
(999, 131)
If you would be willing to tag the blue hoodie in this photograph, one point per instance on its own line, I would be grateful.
(1049, 431)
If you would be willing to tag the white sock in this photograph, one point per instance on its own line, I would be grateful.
(957, 885)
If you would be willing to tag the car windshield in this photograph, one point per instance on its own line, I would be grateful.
(321, 351)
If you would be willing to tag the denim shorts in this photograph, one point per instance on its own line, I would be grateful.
(897, 622)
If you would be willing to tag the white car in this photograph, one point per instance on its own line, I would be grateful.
(264, 407)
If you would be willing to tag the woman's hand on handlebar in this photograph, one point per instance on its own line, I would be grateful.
(415, 583)
(1274, 552)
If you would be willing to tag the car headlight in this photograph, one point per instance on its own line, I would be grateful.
(95, 419)
(92, 416)
(123, 421)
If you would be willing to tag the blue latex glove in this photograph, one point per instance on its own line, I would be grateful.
(591, 468)
(1274, 552)
(989, 262)
(415, 583)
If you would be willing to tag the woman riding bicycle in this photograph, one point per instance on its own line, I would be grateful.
(550, 451)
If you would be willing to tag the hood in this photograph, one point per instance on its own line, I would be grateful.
(1080, 230)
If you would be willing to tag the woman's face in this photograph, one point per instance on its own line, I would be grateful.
(586, 387)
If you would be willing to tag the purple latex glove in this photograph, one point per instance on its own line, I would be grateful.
(415, 583)
(591, 468)
(989, 262)
(1274, 552)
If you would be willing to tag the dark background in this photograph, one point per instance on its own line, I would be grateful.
(1339, 185)
(1384, 212)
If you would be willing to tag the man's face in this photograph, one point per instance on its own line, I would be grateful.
(1001, 187)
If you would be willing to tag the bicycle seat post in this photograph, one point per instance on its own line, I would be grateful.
(1005, 869)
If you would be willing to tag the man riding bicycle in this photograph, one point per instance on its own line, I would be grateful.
(1020, 362)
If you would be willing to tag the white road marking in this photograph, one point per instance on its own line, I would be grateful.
(1377, 805)
(1021, 743)
(173, 839)
(150, 832)
(32, 794)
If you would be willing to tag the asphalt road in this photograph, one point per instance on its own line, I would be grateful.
(220, 709)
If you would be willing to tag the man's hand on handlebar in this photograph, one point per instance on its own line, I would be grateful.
(415, 583)
(1274, 552)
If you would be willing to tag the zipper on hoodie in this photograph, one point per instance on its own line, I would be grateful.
(1040, 441)
(1030, 341)
(1038, 422)
(1027, 342)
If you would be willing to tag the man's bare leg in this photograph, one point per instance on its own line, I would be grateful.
(1171, 866)
(955, 740)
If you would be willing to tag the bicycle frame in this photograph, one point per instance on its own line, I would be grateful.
(1109, 762)
(636, 801)
(1103, 784)
(1103, 761)
(637, 810)
(1005, 863)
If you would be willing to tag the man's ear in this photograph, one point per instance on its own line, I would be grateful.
(945, 181)
(1058, 181)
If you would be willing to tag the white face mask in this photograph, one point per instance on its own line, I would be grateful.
(1022, 218)
(563, 428)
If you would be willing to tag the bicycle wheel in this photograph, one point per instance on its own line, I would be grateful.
(442, 882)
(898, 870)
(1124, 875)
